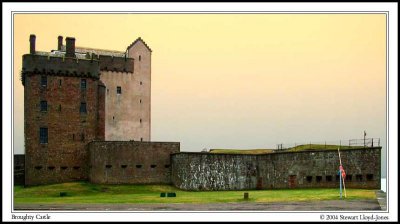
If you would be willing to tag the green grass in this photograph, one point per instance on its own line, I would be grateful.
(242, 151)
(299, 148)
(321, 147)
(83, 192)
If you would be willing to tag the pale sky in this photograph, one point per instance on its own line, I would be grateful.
(240, 81)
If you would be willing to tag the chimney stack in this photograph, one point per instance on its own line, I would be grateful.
(70, 47)
(32, 41)
(60, 42)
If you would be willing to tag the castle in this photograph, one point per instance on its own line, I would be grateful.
(88, 117)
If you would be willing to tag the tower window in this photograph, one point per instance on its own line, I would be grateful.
(141, 83)
(59, 82)
(82, 137)
(43, 105)
(83, 84)
(140, 120)
(141, 139)
(140, 57)
(43, 135)
(43, 80)
(82, 109)
(119, 90)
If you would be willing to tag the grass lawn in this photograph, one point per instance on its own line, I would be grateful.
(84, 192)
(306, 147)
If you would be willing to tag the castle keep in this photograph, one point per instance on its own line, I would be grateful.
(76, 95)
(88, 117)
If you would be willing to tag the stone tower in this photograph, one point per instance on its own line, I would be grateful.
(74, 95)
(128, 96)
(64, 110)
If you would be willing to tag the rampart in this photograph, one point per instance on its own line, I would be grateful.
(60, 66)
(307, 169)
(19, 169)
(129, 162)
(116, 64)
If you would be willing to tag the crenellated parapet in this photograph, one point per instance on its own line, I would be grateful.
(116, 64)
(59, 66)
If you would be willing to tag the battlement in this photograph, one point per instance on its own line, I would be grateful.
(117, 64)
(62, 66)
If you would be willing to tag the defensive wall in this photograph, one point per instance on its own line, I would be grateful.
(130, 162)
(306, 169)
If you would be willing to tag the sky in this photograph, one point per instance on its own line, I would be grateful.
(238, 81)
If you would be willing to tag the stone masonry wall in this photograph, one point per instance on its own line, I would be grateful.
(207, 171)
(129, 162)
(64, 157)
(19, 169)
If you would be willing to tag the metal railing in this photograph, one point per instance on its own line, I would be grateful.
(343, 144)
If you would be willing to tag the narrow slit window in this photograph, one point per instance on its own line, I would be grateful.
(83, 84)
(59, 82)
(43, 105)
(43, 135)
(43, 80)
(119, 90)
(82, 109)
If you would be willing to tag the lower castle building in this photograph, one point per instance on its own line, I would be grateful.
(87, 117)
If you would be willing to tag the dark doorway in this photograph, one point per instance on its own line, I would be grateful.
(292, 181)
(259, 183)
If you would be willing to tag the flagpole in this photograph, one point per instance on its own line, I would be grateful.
(341, 178)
